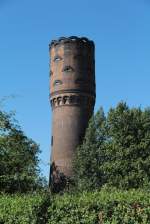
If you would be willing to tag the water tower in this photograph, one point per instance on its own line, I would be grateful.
(72, 98)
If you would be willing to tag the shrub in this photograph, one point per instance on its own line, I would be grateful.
(23, 209)
(104, 207)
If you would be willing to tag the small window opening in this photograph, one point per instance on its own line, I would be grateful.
(57, 82)
(57, 58)
(52, 141)
(67, 69)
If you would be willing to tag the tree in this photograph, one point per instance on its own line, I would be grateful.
(119, 154)
(128, 151)
(19, 171)
(89, 155)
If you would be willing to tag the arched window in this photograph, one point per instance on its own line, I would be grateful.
(57, 58)
(68, 69)
(57, 82)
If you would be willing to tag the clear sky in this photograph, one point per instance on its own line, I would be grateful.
(120, 30)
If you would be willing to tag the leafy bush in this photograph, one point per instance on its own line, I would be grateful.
(19, 209)
(105, 207)
(23, 209)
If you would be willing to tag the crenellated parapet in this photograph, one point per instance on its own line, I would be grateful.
(71, 39)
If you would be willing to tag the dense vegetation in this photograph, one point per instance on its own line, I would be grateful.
(112, 173)
(19, 209)
(104, 207)
(19, 171)
(116, 150)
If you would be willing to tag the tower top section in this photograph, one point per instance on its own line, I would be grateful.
(72, 66)
(71, 39)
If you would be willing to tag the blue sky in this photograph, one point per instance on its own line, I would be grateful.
(120, 30)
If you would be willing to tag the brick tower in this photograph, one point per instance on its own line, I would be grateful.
(72, 97)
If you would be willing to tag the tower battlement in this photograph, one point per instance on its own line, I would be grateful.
(71, 39)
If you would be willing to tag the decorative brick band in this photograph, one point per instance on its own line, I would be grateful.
(73, 91)
(72, 100)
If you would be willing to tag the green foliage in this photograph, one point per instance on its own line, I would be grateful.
(128, 151)
(89, 157)
(22, 209)
(104, 207)
(19, 170)
(116, 150)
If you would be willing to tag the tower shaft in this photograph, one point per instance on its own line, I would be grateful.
(72, 97)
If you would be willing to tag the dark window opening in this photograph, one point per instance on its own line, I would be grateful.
(57, 58)
(57, 82)
(52, 141)
(67, 69)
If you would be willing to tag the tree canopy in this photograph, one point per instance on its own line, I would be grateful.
(19, 171)
(116, 150)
